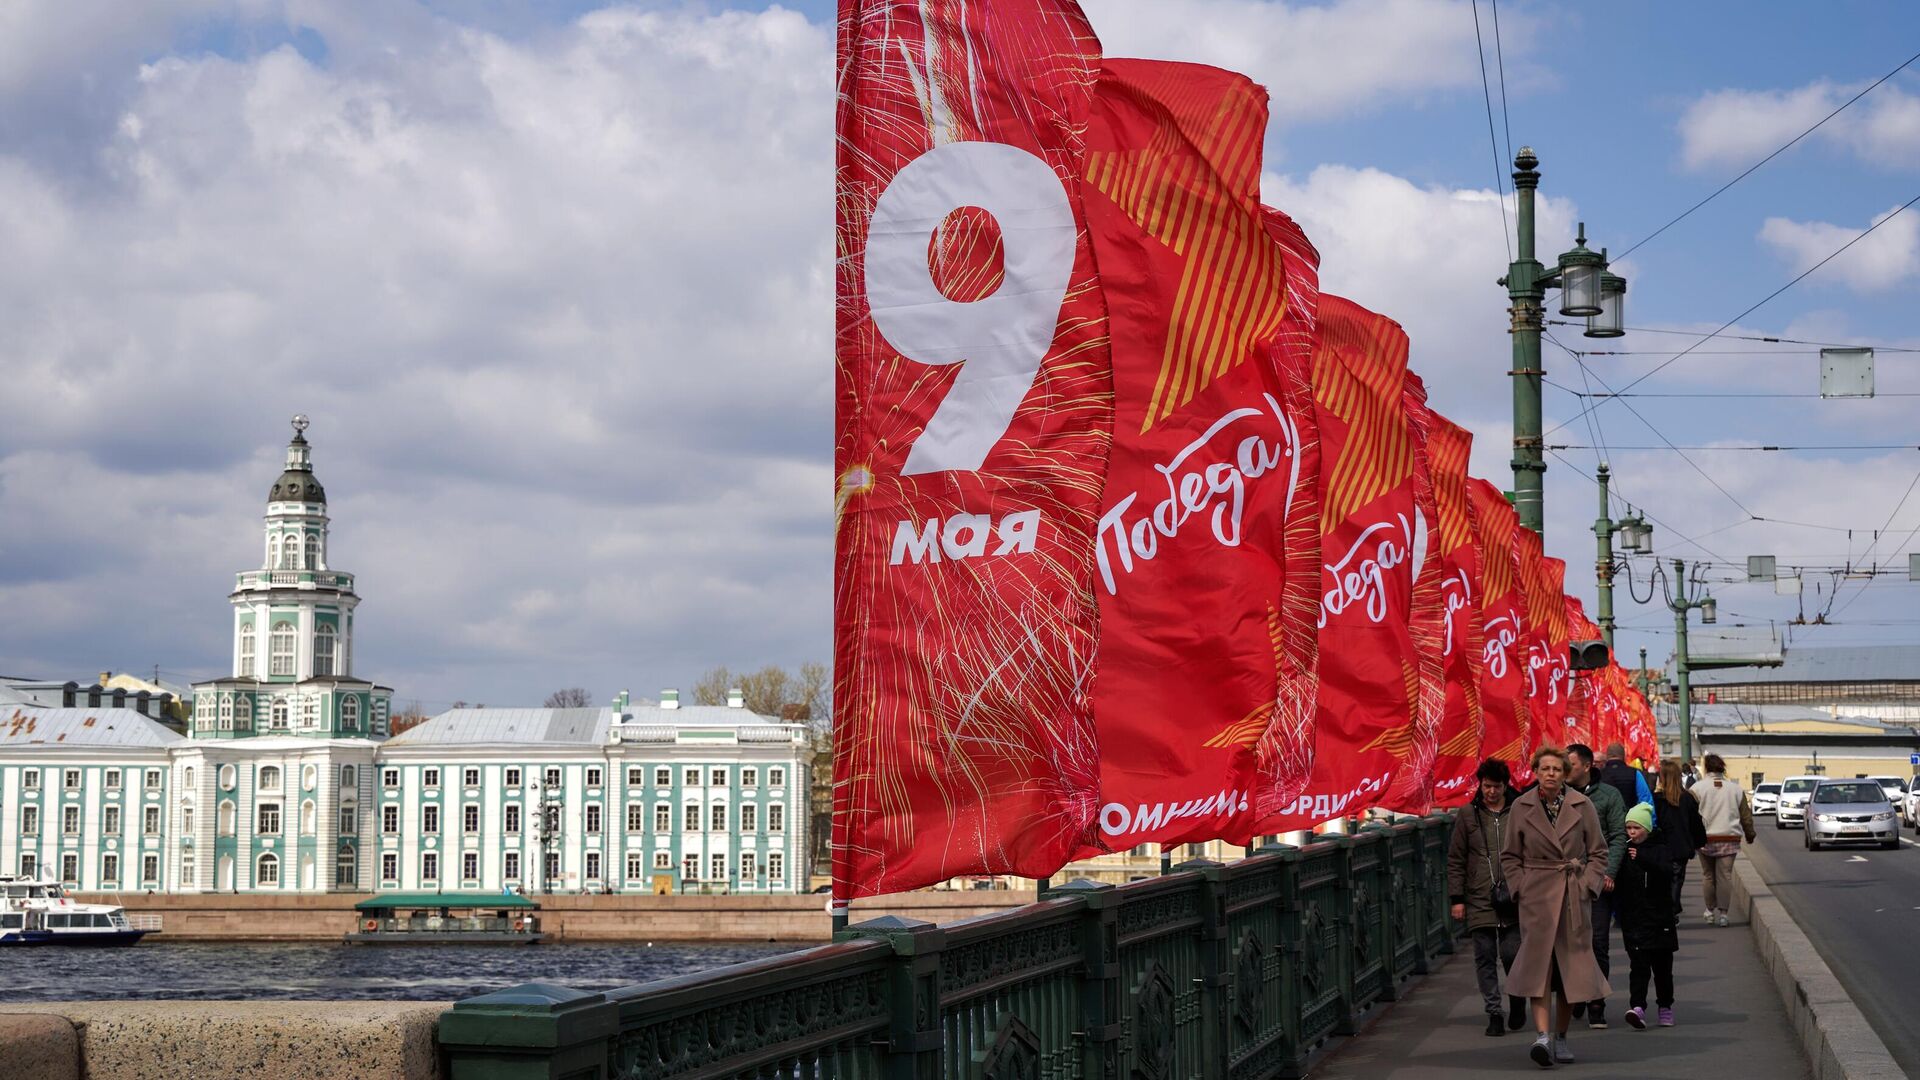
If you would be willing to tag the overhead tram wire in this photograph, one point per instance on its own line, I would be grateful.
(1802, 276)
(1751, 169)
(1493, 141)
(1897, 507)
(1500, 55)
(1677, 534)
(1765, 338)
(1768, 448)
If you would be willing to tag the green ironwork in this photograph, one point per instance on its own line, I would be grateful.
(1526, 283)
(395, 900)
(1212, 972)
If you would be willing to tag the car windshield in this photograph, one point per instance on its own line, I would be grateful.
(1857, 792)
(1767, 789)
(1891, 782)
(1795, 787)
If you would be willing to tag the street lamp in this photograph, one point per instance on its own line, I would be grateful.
(1636, 538)
(1680, 603)
(1587, 291)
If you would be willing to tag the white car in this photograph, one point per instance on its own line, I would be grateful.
(1913, 803)
(1766, 799)
(1895, 787)
(1793, 801)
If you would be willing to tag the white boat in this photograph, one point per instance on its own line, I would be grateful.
(48, 916)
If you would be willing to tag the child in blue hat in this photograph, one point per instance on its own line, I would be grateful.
(1644, 890)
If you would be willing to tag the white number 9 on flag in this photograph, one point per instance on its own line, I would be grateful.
(1001, 339)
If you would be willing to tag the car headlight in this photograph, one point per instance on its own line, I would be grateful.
(1823, 817)
(1887, 816)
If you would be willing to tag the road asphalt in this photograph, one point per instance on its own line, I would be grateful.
(1731, 1023)
(1861, 909)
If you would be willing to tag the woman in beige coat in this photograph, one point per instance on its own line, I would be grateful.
(1555, 861)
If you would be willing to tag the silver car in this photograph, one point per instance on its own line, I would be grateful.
(1850, 812)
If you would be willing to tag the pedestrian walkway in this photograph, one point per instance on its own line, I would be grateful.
(1731, 1023)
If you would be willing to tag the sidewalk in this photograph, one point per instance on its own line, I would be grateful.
(1731, 1023)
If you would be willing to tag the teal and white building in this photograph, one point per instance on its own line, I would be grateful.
(285, 779)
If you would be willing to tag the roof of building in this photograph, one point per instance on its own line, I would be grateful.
(585, 727)
(1821, 664)
(83, 727)
(695, 715)
(473, 899)
(1735, 715)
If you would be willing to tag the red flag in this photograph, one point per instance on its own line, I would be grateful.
(1370, 531)
(1503, 684)
(973, 416)
(1559, 670)
(1412, 790)
(1463, 643)
(1208, 544)
(1542, 715)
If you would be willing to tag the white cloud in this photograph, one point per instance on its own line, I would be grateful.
(1735, 128)
(1318, 62)
(1876, 263)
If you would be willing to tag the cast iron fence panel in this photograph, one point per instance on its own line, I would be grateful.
(1322, 957)
(1367, 921)
(1265, 1003)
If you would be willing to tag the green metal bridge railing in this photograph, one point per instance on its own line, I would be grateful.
(1214, 972)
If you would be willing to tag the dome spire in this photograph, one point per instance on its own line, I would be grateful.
(297, 483)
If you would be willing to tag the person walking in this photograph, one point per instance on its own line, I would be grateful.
(1648, 923)
(1726, 819)
(1555, 862)
(1677, 823)
(1612, 811)
(1480, 894)
(1630, 782)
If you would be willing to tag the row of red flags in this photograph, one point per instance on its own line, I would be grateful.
(1139, 537)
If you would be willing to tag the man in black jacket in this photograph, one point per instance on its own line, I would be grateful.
(1473, 873)
(1630, 782)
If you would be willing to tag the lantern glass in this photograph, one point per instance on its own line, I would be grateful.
(1611, 320)
(1709, 610)
(1580, 290)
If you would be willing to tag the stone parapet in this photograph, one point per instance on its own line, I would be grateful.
(286, 1040)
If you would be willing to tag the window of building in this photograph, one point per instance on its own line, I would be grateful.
(636, 776)
(226, 713)
(389, 867)
(662, 818)
(70, 820)
(776, 818)
(636, 817)
(594, 775)
(662, 861)
(552, 778)
(390, 819)
(390, 778)
(323, 641)
(113, 779)
(691, 820)
(636, 865)
(153, 779)
(30, 819)
(246, 650)
(513, 777)
(349, 780)
(593, 866)
(149, 869)
(30, 778)
(510, 865)
(470, 866)
(71, 779)
(776, 868)
(277, 715)
(110, 821)
(718, 818)
(430, 866)
(186, 870)
(281, 642)
(717, 867)
(186, 821)
(777, 777)
(717, 778)
(690, 868)
(593, 817)
(269, 870)
(663, 777)
(150, 821)
(29, 866)
(749, 777)
(470, 777)
(243, 713)
(70, 869)
(309, 820)
(747, 868)
(350, 713)
(470, 818)
(110, 869)
(226, 821)
(269, 778)
(349, 821)
(344, 870)
(186, 780)
(269, 819)
(513, 818)
(430, 818)
(552, 863)
(430, 777)
(228, 774)
(690, 778)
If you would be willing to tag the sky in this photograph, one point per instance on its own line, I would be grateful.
(553, 281)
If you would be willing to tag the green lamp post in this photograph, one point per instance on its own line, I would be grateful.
(1587, 291)
(1636, 538)
(1681, 604)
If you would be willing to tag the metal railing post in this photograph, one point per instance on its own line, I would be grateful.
(535, 1031)
(1102, 1016)
(913, 993)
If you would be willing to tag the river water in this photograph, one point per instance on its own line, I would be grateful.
(313, 972)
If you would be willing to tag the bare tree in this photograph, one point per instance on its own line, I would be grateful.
(573, 697)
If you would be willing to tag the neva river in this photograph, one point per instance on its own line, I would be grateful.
(215, 971)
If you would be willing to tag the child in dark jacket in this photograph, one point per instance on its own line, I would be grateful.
(1647, 921)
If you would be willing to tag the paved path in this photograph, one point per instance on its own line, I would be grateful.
(1731, 1024)
(1861, 909)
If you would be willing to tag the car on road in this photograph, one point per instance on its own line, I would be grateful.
(1793, 801)
(1895, 787)
(1913, 803)
(1850, 812)
(1766, 799)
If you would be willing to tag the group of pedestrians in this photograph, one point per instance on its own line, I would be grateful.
(1541, 876)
